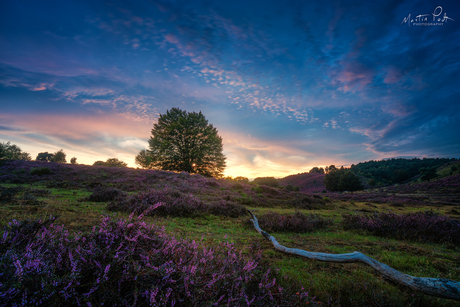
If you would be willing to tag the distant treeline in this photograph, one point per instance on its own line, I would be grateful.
(395, 170)
(10, 151)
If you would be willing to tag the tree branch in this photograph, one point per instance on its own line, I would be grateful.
(439, 287)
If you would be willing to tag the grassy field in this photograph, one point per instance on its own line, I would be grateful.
(333, 284)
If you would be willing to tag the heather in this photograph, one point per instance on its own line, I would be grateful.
(89, 177)
(21, 196)
(175, 203)
(307, 182)
(213, 213)
(381, 198)
(130, 263)
(104, 195)
(297, 222)
(447, 185)
(421, 226)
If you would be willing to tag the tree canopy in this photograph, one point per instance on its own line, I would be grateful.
(58, 156)
(183, 141)
(111, 162)
(317, 170)
(13, 152)
(398, 170)
(342, 180)
(428, 173)
(44, 156)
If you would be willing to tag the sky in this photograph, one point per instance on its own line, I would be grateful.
(289, 85)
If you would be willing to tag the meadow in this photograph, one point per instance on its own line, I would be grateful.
(80, 235)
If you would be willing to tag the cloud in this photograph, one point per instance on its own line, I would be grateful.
(353, 78)
(257, 157)
(8, 128)
(393, 75)
(99, 135)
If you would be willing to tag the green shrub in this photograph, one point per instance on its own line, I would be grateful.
(268, 181)
(289, 187)
(237, 186)
(40, 171)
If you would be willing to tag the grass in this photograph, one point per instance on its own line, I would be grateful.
(340, 284)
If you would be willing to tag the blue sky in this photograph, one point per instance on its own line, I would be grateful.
(288, 84)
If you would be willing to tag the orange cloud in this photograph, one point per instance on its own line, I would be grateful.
(251, 157)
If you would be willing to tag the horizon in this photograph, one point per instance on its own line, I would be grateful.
(288, 87)
(249, 178)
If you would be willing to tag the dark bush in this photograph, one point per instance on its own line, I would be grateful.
(104, 195)
(29, 200)
(237, 186)
(39, 192)
(40, 171)
(289, 187)
(245, 200)
(227, 208)
(212, 183)
(309, 202)
(298, 222)
(8, 194)
(268, 181)
(266, 190)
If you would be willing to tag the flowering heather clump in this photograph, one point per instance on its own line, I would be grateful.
(175, 203)
(421, 226)
(70, 176)
(297, 222)
(103, 195)
(307, 182)
(130, 263)
(267, 190)
(446, 185)
(380, 198)
(227, 208)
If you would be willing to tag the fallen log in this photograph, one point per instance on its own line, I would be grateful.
(438, 287)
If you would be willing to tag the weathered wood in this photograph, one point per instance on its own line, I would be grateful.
(439, 287)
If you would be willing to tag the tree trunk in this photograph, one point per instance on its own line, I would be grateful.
(439, 287)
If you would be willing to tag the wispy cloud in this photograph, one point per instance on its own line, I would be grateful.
(311, 84)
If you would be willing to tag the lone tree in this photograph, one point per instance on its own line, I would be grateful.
(59, 157)
(183, 141)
